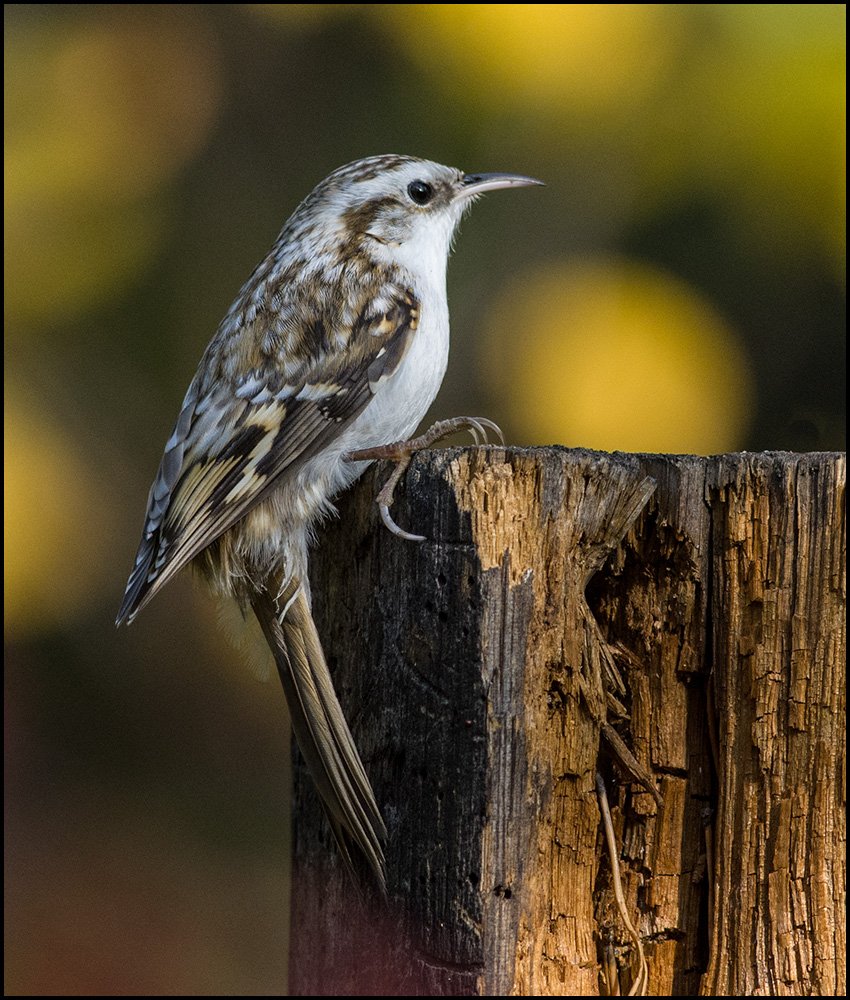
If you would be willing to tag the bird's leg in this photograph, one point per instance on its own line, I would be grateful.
(401, 453)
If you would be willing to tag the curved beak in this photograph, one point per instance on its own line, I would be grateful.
(474, 184)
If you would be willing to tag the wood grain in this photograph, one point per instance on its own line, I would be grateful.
(693, 609)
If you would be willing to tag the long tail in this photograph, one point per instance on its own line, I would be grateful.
(320, 727)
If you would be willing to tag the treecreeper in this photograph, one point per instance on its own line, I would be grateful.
(328, 360)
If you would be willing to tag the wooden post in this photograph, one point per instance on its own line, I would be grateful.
(674, 625)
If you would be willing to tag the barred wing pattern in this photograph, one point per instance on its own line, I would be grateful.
(235, 439)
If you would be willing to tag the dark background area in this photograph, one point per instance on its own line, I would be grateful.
(677, 286)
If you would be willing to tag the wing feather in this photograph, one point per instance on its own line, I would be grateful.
(227, 452)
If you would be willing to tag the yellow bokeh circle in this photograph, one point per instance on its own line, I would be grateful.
(54, 524)
(618, 356)
(577, 58)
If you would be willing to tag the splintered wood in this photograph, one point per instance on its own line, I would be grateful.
(672, 625)
(778, 606)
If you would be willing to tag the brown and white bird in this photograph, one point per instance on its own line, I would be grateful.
(335, 346)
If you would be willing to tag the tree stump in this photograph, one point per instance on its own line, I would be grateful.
(672, 627)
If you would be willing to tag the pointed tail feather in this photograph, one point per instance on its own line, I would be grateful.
(320, 727)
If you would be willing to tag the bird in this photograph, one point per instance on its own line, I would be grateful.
(328, 359)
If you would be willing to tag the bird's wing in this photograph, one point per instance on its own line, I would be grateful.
(236, 437)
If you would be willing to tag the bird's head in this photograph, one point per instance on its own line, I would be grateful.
(400, 209)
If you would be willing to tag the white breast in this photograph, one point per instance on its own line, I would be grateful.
(275, 533)
(402, 400)
(398, 406)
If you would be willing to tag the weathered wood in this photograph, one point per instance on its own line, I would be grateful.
(700, 626)
(779, 598)
(651, 601)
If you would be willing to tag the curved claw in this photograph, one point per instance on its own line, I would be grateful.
(402, 452)
(473, 425)
(497, 430)
(390, 524)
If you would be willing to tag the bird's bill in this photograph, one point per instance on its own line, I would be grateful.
(479, 183)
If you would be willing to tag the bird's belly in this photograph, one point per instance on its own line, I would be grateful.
(394, 413)
(396, 410)
(403, 400)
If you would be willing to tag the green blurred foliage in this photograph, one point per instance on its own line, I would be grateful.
(679, 285)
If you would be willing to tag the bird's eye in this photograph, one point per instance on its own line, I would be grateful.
(420, 191)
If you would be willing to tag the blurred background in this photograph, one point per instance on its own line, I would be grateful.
(677, 286)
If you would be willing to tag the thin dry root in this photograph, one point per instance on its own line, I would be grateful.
(641, 980)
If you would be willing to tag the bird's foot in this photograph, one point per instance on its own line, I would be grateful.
(401, 453)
